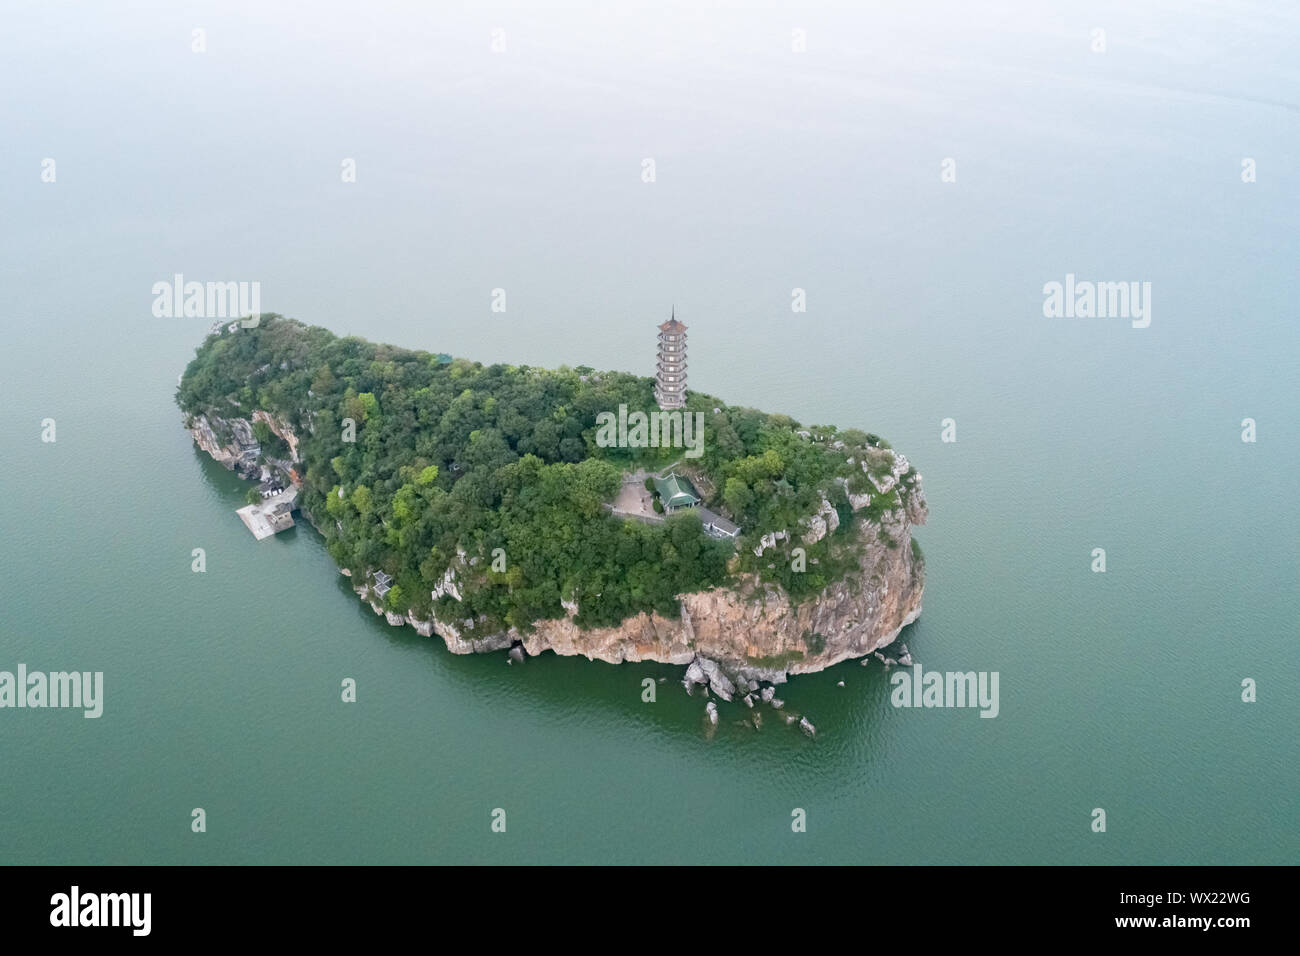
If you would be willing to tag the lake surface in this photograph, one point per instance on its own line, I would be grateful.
(522, 170)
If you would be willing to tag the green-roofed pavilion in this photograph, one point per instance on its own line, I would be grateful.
(676, 492)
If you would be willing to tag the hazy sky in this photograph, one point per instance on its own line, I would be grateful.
(522, 169)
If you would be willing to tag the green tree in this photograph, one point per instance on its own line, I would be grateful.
(738, 496)
(396, 601)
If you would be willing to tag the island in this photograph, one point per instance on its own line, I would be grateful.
(520, 509)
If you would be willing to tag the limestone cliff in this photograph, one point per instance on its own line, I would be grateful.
(230, 442)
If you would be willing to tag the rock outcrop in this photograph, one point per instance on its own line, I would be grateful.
(826, 520)
(281, 430)
(229, 442)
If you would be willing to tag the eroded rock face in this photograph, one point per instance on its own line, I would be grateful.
(825, 521)
(229, 442)
(423, 628)
(281, 430)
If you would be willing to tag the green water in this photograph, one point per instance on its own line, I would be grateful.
(1118, 690)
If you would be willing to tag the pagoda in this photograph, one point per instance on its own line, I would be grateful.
(670, 374)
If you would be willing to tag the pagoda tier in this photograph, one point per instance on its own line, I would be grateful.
(670, 370)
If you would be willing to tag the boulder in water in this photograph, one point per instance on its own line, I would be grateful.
(719, 683)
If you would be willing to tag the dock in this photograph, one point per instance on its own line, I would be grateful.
(271, 515)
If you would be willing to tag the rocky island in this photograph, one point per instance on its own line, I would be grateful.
(475, 503)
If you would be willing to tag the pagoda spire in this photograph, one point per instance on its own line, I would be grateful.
(670, 371)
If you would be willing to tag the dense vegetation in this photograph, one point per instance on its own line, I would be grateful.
(494, 472)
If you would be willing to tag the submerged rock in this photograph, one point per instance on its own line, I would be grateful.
(807, 727)
(712, 710)
(516, 654)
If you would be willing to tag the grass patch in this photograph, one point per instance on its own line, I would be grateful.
(776, 660)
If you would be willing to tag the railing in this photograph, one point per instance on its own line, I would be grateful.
(634, 515)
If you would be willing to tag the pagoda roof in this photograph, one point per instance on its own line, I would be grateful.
(672, 325)
(675, 491)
